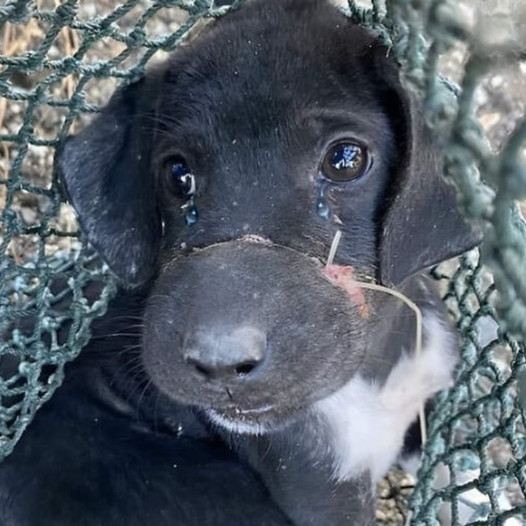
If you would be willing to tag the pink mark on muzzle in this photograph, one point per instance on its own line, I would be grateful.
(343, 277)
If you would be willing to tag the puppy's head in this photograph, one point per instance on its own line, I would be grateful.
(221, 180)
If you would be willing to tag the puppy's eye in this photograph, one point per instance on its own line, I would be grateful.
(345, 161)
(183, 181)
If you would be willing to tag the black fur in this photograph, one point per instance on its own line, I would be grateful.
(252, 104)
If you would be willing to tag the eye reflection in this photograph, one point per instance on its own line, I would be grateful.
(183, 180)
(183, 184)
(344, 161)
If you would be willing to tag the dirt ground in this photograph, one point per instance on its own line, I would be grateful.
(501, 102)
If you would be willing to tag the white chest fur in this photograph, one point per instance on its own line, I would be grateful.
(368, 422)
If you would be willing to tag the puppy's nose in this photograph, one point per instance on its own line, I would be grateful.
(226, 355)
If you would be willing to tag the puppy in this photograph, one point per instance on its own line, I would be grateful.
(235, 380)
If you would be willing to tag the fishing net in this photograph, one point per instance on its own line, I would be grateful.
(61, 60)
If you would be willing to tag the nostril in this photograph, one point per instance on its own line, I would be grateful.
(245, 368)
(199, 367)
(210, 372)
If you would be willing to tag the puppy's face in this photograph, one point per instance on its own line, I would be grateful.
(222, 180)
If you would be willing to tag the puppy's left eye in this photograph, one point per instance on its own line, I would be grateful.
(182, 179)
(345, 161)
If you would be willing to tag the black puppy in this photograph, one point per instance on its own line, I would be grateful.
(238, 382)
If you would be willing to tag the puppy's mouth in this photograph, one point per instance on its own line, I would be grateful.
(254, 420)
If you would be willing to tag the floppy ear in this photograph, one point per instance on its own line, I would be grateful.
(422, 224)
(106, 170)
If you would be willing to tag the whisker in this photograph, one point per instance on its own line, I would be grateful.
(155, 408)
(115, 335)
(126, 317)
(141, 397)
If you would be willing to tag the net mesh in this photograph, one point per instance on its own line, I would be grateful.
(61, 60)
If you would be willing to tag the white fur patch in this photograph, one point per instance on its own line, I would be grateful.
(368, 422)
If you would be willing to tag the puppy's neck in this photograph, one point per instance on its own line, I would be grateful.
(368, 418)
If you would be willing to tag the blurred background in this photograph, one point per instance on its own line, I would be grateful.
(500, 100)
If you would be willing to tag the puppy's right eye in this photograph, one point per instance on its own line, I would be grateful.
(182, 180)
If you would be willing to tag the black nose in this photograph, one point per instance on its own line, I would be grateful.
(226, 354)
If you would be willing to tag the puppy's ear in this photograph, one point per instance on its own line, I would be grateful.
(106, 170)
(422, 225)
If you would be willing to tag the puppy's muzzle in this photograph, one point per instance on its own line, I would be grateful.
(235, 325)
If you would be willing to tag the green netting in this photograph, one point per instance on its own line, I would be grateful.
(60, 60)
(52, 55)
